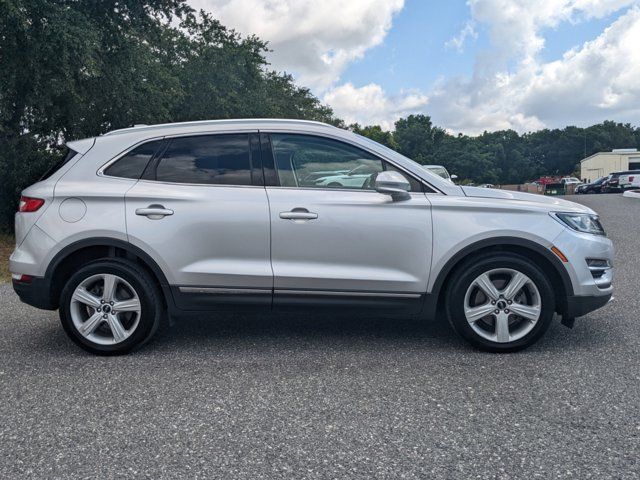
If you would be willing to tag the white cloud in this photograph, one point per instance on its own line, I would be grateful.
(511, 87)
(516, 26)
(588, 84)
(314, 40)
(600, 79)
(468, 31)
(369, 105)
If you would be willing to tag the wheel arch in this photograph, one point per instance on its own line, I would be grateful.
(80, 252)
(543, 257)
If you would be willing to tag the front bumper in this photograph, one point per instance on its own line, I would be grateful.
(579, 306)
(578, 247)
(34, 293)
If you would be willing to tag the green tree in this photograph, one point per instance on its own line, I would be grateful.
(417, 138)
(71, 69)
(376, 133)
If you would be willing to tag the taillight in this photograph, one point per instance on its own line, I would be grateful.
(22, 277)
(29, 204)
(631, 178)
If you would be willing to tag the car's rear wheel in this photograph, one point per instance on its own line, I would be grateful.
(500, 303)
(110, 307)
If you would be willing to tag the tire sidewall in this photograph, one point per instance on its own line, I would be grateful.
(469, 272)
(143, 288)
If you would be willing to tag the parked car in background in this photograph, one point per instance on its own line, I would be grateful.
(548, 179)
(354, 178)
(570, 181)
(634, 183)
(592, 187)
(153, 220)
(440, 171)
(618, 181)
(626, 179)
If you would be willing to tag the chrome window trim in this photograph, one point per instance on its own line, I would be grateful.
(101, 170)
(213, 185)
(336, 189)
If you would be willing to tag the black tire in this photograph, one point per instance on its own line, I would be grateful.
(467, 273)
(150, 301)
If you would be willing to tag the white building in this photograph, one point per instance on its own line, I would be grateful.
(603, 163)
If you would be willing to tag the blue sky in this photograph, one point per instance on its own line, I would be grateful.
(472, 65)
(414, 53)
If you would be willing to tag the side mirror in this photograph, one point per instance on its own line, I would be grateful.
(454, 177)
(392, 183)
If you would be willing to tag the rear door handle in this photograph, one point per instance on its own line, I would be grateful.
(154, 212)
(298, 214)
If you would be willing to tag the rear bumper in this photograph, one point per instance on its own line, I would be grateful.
(578, 306)
(34, 293)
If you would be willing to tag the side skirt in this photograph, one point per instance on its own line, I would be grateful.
(384, 302)
(194, 298)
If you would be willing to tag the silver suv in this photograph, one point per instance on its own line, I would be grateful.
(213, 215)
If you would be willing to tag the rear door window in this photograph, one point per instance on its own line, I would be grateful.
(207, 159)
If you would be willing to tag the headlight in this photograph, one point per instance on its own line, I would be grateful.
(581, 222)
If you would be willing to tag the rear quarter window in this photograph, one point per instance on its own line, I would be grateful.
(133, 163)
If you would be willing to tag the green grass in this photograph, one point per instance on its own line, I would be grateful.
(7, 243)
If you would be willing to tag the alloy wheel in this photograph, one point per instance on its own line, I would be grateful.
(502, 305)
(105, 309)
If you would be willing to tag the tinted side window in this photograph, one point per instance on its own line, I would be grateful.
(133, 163)
(207, 159)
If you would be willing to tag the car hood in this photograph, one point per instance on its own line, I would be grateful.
(552, 204)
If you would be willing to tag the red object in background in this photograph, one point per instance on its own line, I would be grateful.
(29, 204)
(549, 179)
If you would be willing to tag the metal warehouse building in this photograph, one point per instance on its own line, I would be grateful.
(603, 163)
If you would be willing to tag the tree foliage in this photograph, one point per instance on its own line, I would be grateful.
(502, 157)
(73, 69)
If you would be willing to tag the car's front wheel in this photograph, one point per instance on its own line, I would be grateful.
(500, 303)
(110, 307)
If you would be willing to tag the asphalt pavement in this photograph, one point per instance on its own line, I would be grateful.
(302, 396)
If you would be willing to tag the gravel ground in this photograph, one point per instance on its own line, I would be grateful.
(312, 397)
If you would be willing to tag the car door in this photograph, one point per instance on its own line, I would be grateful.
(342, 244)
(201, 212)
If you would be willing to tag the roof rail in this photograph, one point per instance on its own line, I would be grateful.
(217, 122)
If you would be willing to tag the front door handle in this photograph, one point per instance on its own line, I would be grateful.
(154, 212)
(298, 214)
